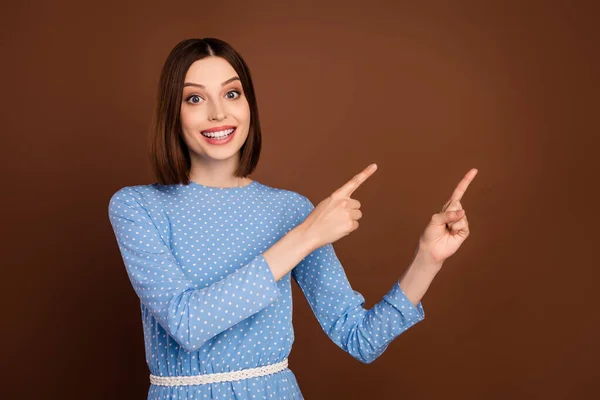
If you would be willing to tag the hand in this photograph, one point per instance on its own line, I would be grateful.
(337, 215)
(449, 228)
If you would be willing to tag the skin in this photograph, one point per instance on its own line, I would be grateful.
(445, 233)
(209, 107)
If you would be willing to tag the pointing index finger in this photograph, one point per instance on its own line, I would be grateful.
(356, 181)
(463, 185)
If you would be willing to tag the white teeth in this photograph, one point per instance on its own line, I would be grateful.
(219, 134)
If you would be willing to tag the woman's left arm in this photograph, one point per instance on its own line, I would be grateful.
(364, 334)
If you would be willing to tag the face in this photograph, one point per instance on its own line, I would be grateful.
(214, 104)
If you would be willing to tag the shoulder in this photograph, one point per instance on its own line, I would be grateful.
(124, 194)
(288, 195)
(128, 194)
(141, 197)
(290, 199)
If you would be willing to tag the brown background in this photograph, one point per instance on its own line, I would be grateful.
(426, 91)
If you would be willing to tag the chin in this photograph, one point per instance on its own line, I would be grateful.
(219, 154)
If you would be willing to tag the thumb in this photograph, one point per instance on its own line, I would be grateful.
(448, 216)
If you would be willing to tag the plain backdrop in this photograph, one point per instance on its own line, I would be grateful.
(427, 90)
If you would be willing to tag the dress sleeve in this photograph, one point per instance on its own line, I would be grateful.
(364, 334)
(190, 315)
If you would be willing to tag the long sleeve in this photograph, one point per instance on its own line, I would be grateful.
(189, 314)
(364, 334)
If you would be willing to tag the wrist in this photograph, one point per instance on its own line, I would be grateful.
(418, 276)
(423, 261)
(305, 239)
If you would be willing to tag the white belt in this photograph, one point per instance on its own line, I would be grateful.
(218, 377)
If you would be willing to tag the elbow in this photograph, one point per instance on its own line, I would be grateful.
(185, 329)
(191, 344)
(364, 351)
(187, 343)
(367, 358)
(364, 358)
(190, 348)
(183, 335)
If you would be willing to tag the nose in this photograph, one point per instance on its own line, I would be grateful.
(216, 112)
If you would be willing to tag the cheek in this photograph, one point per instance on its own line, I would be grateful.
(242, 112)
(189, 120)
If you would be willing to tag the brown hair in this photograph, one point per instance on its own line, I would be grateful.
(169, 155)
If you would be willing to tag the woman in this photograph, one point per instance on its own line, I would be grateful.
(211, 253)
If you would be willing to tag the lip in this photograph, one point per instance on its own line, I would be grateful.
(219, 128)
(220, 141)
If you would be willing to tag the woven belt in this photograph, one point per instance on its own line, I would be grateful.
(218, 377)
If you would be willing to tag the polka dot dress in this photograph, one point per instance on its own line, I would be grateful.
(210, 303)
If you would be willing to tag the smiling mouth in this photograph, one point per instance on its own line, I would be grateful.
(218, 135)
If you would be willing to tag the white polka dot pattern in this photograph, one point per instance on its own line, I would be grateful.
(209, 301)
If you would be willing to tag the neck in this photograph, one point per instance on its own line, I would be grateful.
(216, 174)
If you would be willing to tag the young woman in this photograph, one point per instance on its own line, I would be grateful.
(211, 253)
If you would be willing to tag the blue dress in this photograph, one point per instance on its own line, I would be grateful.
(209, 302)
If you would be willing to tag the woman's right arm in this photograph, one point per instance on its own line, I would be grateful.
(190, 315)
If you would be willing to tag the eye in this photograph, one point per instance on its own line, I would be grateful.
(191, 97)
(233, 91)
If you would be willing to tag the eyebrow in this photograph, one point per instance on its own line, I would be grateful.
(235, 78)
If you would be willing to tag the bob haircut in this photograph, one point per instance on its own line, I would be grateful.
(169, 155)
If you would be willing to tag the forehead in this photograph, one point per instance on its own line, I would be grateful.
(210, 71)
